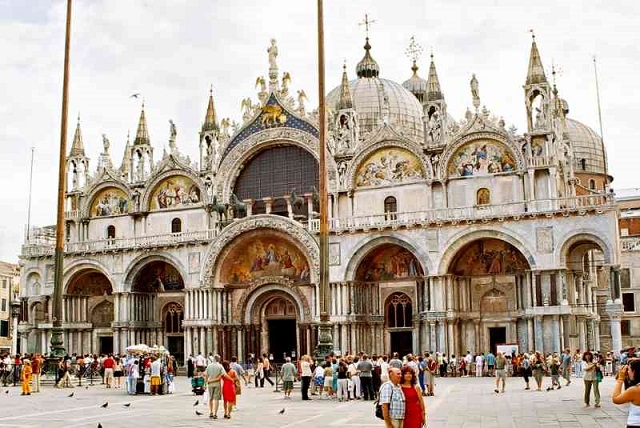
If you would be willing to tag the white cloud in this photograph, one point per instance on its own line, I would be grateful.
(171, 51)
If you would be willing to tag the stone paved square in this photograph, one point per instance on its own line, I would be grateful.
(459, 403)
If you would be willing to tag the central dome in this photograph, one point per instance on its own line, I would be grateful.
(370, 94)
(588, 150)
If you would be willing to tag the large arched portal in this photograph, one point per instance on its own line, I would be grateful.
(157, 292)
(489, 282)
(388, 280)
(88, 298)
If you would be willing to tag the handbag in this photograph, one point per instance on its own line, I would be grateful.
(378, 409)
(598, 375)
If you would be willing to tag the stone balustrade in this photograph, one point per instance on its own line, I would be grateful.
(630, 243)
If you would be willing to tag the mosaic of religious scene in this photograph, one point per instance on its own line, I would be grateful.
(388, 262)
(389, 166)
(481, 158)
(488, 257)
(259, 254)
(90, 283)
(158, 277)
(110, 201)
(175, 192)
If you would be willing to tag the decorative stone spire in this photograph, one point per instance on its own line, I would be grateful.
(210, 119)
(142, 135)
(433, 84)
(77, 147)
(536, 71)
(126, 158)
(345, 101)
(367, 67)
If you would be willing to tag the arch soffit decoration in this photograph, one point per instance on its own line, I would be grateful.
(588, 236)
(139, 263)
(145, 202)
(81, 265)
(230, 167)
(411, 147)
(95, 191)
(458, 242)
(266, 285)
(300, 237)
(452, 148)
(365, 246)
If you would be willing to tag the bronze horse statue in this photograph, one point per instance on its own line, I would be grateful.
(221, 209)
(239, 208)
(295, 201)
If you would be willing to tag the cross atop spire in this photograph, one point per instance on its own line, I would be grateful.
(210, 120)
(414, 50)
(142, 135)
(367, 22)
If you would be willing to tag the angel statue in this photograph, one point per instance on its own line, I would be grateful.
(225, 124)
(247, 108)
(172, 130)
(261, 82)
(286, 80)
(301, 97)
(105, 143)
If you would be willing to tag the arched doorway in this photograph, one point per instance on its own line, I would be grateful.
(155, 287)
(172, 317)
(399, 322)
(280, 318)
(490, 283)
(89, 298)
(388, 280)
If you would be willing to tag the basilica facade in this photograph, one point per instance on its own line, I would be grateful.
(445, 234)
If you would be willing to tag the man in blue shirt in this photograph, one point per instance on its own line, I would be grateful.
(491, 363)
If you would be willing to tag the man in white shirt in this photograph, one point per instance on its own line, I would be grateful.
(479, 365)
(201, 363)
(384, 369)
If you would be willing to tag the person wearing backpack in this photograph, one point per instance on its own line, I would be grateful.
(391, 400)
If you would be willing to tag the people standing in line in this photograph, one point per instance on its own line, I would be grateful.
(229, 381)
(395, 362)
(328, 380)
(631, 395)
(213, 376)
(566, 366)
(288, 377)
(590, 379)
(305, 376)
(267, 370)
(318, 380)
(356, 388)
(500, 363)
(538, 366)
(415, 412)
(491, 362)
(364, 370)
(343, 381)
(392, 400)
(479, 365)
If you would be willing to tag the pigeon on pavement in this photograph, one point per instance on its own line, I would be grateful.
(198, 413)
(127, 405)
(104, 406)
(281, 412)
(196, 403)
(71, 395)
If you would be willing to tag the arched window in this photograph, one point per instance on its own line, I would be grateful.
(173, 319)
(483, 196)
(111, 232)
(176, 225)
(390, 208)
(592, 184)
(399, 312)
(583, 164)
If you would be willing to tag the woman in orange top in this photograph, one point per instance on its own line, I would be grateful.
(26, 377)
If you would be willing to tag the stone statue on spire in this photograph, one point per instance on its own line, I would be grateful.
(273, 66)
(475, 94)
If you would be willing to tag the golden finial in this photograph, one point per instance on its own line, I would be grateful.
(414, 50)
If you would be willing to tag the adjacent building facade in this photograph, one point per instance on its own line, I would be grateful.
(9, 281)
(445, 235)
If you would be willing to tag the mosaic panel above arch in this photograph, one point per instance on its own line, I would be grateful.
(89, 283)
(481, 157)
(110, 201)
(389, 165)
(176, 191)
(263, 253)
(388, 262)
(157, 277)
(488, 257)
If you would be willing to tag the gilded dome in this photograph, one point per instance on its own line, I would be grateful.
(372, 97)
(588, 150)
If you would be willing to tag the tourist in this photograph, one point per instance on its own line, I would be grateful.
(288, 372)
(631, 395)
(201, 363)
(267, 370)
(118, 372)
(343, 382)
(414, 413)
(392, 400)
(590, 379)
(491, 362)
(395, 361)
(566, 366)
(526, 370)
(133, 374)
(500, 363)
(356, 385)
(259, 376)
(430, 375)
(577, 363)
(25, 377)
(364, 370)
(479, 365)
(242, 374)
(251, 370)
(190, 366)
(318, 380)
(422, 367)
(108, 364)
(229, 381)
(554, 369)
(384, 369)
(213, 374)
(36, 367)
(305, 375)
(156, 378)
(538, 367)
(328, 380)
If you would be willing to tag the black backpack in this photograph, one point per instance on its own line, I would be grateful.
(378, 408)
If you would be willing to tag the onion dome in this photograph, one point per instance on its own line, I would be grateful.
(416, 84)
(367, 67)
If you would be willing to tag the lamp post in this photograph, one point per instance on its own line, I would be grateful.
(15, 314)
(57, 341)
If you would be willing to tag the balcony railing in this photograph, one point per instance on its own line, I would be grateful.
(630, 243)
(541, 161)
(42, 245)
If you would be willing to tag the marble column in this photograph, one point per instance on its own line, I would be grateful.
(616, 334)
(539, 343)
(556, 334)
(582, 333)
(441, 336)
